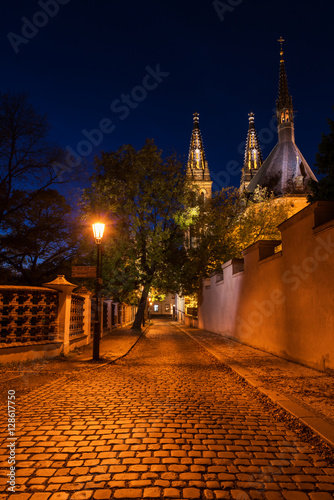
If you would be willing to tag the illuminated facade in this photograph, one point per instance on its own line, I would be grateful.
(285, 171)
(253, 156)
(197, 166)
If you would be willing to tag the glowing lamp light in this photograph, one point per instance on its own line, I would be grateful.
(98, 229)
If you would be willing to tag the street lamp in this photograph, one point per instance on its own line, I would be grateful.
(98, 229)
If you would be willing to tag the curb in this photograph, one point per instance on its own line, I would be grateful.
(318, 425)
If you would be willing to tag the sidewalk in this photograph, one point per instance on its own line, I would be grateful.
(34, 375)
(303, 392)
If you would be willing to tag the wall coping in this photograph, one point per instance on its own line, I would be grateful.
(262, 244)
(271, 257)
(324, 208)
(18, 287)
(323, 227)
(19, 345)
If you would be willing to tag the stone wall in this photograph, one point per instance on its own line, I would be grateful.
(280, 301)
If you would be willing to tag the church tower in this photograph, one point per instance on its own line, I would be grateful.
(285, 171)
(197, 166)
(253, 156)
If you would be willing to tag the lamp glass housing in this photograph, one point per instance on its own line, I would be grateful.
(98, 229)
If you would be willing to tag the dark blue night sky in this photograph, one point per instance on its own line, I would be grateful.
(220, 58)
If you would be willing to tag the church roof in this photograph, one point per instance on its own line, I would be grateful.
(285, 170)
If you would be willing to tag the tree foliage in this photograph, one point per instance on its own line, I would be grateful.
(144, 194)
(324, 189)
(224, 226)
(39, 238)
(259, 218)
(28, 208)
(209, 238)
(26, 154)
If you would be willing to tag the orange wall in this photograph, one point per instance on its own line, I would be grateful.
(282, 302)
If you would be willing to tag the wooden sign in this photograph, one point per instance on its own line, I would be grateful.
(83, 272)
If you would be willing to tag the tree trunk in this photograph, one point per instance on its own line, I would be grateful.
(140, 311)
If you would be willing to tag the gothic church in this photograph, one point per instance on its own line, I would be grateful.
(285, 171)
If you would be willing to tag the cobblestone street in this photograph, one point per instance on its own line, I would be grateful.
(166, 421)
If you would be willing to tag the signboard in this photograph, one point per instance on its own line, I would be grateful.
(83, 272)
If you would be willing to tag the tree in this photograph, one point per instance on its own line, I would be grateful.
(210, 237)
(324, 189)
(146, 195)
(226, 225)
(39, 237)
(259, 218)
(26, 155)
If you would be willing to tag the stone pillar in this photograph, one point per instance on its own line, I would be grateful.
(87, 295)
(65, 289)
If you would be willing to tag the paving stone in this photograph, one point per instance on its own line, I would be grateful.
(166, 421)
(128, 493)
(40, 496)
(171, 493)
(273, 495)
(295, 495)
(191, 493)
(239, 495)
(82, 495)
(102, 494)
(320, 496)
(59, 496)
(152, 492)
(221, 494)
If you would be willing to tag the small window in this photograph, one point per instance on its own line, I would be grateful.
(167, 307)
(156, 307)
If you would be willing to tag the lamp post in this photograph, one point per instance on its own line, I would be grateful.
(98, 229)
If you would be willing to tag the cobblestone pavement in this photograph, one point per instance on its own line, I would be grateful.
(167, 421)
(308, 387)
(27, 376)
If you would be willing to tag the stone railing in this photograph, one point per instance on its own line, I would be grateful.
(28, 314)
(45, 321)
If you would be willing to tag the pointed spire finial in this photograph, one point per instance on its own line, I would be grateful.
(281, 40)
(196, 118)
(253, 155)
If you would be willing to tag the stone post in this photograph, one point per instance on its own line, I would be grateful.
(65, 289)
(87, 295)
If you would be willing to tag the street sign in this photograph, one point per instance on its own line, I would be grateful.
(83, 272)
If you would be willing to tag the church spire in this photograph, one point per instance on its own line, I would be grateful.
(253, 155)
(196, 158)
(197, 166)
(284, 102)
(285, 171)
